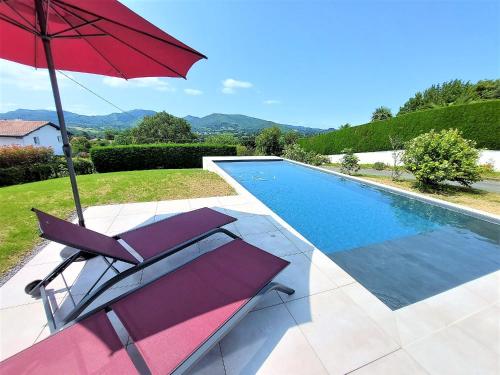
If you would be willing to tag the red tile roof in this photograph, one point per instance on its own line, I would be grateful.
(20, 128)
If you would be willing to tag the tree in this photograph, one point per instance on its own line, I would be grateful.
(381, 113)
(222, 139)
(124, 138)
(349, 163)
(269, 141)
(345, 126)
(397, 146)
(163, 128)
(290, 138)
(80, 144)
(248, 141)
(109, 134)
(436, 157)
(452, 92)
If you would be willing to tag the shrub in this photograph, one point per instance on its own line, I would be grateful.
(25, 173)
(297, 153)
(476, 121)
(80, 144)
(436, 157)
(381, 113)
(379, 166)
(14, 156)
(269, 142)
(222, 139)
(349, 163)
(488, 168)
(244, 151)
(136, 157)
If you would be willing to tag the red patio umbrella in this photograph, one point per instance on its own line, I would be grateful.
(94, 36)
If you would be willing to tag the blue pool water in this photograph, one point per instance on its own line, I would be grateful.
(401, 249)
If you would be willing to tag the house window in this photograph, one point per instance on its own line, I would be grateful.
(36, 140)
(59, 139)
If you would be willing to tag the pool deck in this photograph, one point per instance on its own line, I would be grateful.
(331, 325)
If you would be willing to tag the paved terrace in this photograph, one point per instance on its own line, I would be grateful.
(331, 325)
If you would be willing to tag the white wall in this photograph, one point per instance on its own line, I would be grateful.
(7, 141)
(486, 156)
(47, 135)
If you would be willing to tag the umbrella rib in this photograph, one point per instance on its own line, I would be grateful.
(20, 15)
(187, 49)
(91, 45)
(76, 36)
(17, 24)
(72, 28)
(123, 42)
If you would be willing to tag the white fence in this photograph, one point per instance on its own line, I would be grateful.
(486, 156)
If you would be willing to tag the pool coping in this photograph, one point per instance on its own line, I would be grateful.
(210, 164)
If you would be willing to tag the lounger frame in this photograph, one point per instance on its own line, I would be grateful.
(211, 341)
(94, 292)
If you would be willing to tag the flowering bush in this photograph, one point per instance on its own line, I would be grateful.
(297, 153)
(436, 157)
(14, 156)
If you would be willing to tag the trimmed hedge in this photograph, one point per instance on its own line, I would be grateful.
(478, 121)
(153, 156)
(57, 167)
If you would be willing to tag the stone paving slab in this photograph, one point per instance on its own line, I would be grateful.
(331, 325)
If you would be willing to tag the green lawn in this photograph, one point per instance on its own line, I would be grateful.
(18, 228)
(474, 198)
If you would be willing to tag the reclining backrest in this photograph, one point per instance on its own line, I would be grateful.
(81, 238)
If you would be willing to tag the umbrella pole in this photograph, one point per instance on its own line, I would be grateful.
(60, 114)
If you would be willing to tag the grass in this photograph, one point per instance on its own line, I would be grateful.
(474, 198)
(18, 228)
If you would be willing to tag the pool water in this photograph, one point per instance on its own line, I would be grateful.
(401, 249)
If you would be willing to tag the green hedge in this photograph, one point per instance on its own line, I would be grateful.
(478, 121)
(57, 167)
(135, 157)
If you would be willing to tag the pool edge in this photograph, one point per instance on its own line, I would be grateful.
(210, 164)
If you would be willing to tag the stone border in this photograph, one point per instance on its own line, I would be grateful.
(209, 163)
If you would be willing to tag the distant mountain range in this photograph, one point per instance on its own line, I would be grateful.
(214, 123)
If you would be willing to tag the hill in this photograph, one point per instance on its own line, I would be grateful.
(214, 123)
(218, 122)
(477, 121)
(113, 120)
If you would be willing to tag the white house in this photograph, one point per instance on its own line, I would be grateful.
(34, 133)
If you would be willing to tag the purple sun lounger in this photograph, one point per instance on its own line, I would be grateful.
(140, 248)
(172, 321)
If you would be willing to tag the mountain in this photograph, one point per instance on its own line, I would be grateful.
(219, 122)
(214, 123)
(113, 120)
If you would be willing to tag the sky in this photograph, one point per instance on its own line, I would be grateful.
(312, 63)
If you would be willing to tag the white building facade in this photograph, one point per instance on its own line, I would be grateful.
(31, 133)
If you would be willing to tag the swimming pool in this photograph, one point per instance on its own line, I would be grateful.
(401, 249)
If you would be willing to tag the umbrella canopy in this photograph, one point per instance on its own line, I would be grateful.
(93, 36)
(96, 36)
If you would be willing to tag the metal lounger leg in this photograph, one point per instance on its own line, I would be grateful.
(55, 272)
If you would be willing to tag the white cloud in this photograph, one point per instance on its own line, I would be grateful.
(230, 85)
(26, 78)
(149, 82)
(272, 101)
(193, 92)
